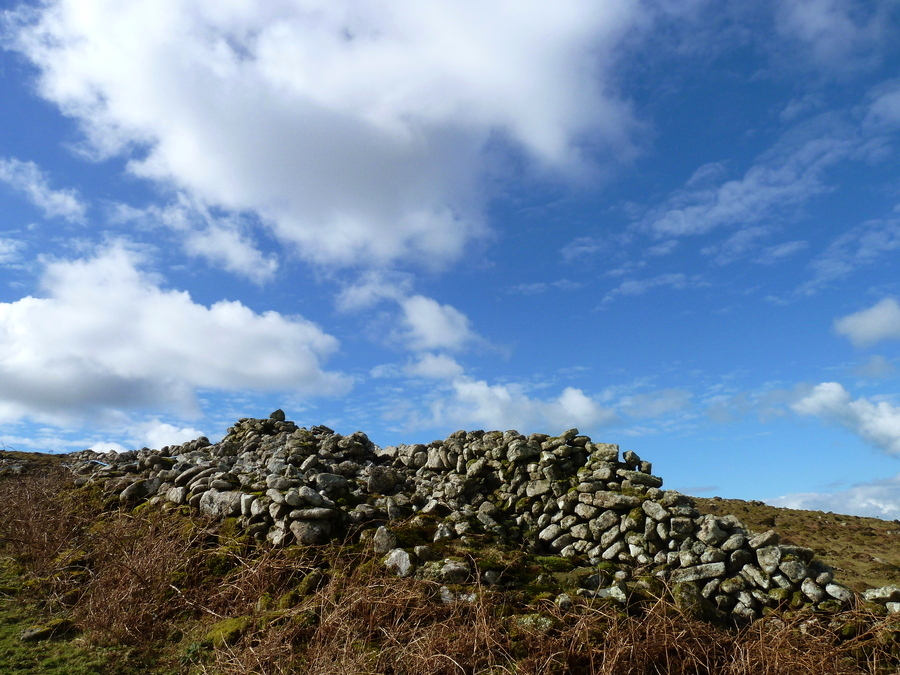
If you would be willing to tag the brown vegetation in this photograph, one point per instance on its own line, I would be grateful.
(197, 598)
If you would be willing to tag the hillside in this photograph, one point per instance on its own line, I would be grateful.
(482, 553)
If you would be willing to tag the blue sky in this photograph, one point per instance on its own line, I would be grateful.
(674, 225)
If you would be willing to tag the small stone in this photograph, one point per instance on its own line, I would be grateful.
(455, 572)
(384, 540)
(277, 415)
(839, 592)
(769, 557)
(655, 510)
(812, 590)
(310, 532)
(698, 572)
(400, 562)
(769, 538)
(794, 570)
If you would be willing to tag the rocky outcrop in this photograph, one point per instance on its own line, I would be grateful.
(562, 495)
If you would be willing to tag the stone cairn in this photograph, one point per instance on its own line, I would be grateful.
(565, 496)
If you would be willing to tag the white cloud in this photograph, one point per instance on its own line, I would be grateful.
(868, 326)
(27, 178)
(677, 281)
(583, 247)
(509, 406)
(222, 241)
(861, 246)
(877, 367)
(543, 287)
(777, 253)
(227, 247)
(358, 132)
(373, 287)
(10, 251)
(431, 325)
(779, 181)
(655, 404)
(877, 499)
(877, 423)
(837, 35)
(157, 434)
(435, 366)
(106, 337)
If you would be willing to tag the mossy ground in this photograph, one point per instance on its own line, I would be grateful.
(67, 654)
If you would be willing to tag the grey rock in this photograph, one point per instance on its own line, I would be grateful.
(840, 593)
(698, 572)
(215, 504)
(455, 572)
(330, 482)
(883, 594)
(310, 532)
(769, 557)
(615, 500)
(384, 540)
(812, 590)
(794, 570)
(769, 538)
(710, 533)
(400, 562)
(655, 510)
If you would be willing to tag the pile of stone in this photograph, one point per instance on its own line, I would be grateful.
(563, 495)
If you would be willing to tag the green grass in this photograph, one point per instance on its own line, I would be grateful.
(65, 655)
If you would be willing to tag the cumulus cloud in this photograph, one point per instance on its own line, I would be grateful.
(876, 499)
(868, 326)
(28, 179)
(358, 132)
(431, 325)
(876, 422)
(435, 366)
(105, 336)
(510, 406)
(223, 241)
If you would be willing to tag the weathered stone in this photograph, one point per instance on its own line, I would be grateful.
(794, 570)
(840, 593)
(768, 538)
(883, 594)
(733, 543)
(310, 532)
(455, 571)
(710, 533)
(330, 482)
(769, 557)
(384, 540)
(638, 478)
(812, 590)
(177, 495)
(655, 510)
(215, 504)
(536, 488)
(400, 562)
(615, 500)
(698, 572)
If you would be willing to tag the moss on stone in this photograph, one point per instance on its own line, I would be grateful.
(227, 632)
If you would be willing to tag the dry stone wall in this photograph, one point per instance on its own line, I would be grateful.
(563, 495)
